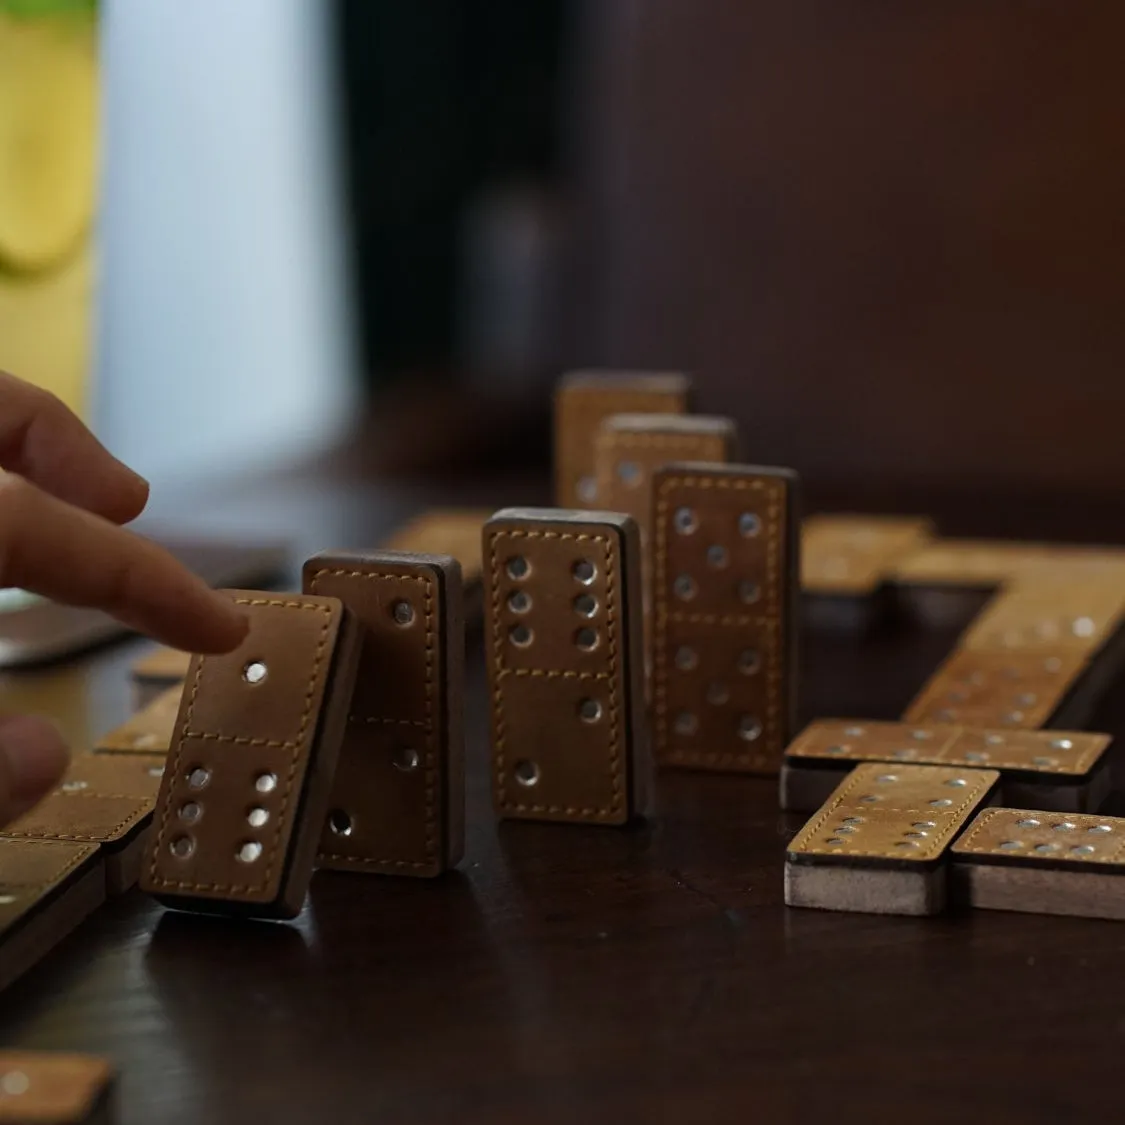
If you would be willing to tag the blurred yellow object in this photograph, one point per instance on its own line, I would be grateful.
(48, 191)
(48, 137)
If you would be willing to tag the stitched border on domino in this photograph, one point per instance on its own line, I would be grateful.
(842, 799)
(774, 492)
(109, 836)
(88, 848)
(427, 724)
(934, 845)
(812, 745)
(929, 705)
(984, 817)
(155, 877)
(608, 560)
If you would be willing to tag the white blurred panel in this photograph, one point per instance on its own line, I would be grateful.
(225, 334)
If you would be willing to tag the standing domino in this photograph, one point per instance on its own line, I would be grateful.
(582, 400)
(569, 737)
(398, 802)
(725, 590)
(245, 790)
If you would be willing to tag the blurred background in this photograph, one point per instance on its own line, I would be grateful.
(371, 233)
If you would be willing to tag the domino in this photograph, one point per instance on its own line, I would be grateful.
(563, 645)
(126, 775)
(1059, 770)
(1040, 862)
(398, 801)
(55, 1089)
(147, 732)
(246, 786)
(630, 448)
(117, 823)
(158, 671)
(725, 616)
(47, 888)
(449, 531)
(1040, 655)
(582, 400)
(878, 844)
(943, 580)
(847, 562)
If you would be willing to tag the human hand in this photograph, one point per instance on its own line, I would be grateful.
(63, 499)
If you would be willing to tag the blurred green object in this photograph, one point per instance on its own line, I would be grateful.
(30, 9)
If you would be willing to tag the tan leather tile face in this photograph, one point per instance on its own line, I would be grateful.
(149, 731)
(582, 774)
(555, 598)
(50, 1088)
(1028, 837)
(278, 708)
(985, 688)
(397, 797)
(1062, 753)
(854, 555)
(972, 562)
(1048, 618)
(93, 818)
(567, 719)
(718, 700)
(724, 582)
(629, 448)
(582, 401)
(121, 775)
(906, 813)
(255, 745)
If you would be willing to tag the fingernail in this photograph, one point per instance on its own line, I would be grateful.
(34, 753)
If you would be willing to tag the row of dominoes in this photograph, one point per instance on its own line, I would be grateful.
(889, 839)
(912, 839)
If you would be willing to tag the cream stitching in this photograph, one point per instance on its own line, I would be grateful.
(500, 673)
(105, 836)
(981, 823)
(318, 656)
(770, 622)
(954, 816)
(426, 724)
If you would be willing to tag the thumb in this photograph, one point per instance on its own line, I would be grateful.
(33, 757)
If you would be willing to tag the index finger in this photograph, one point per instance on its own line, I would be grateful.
(77, 558)
(42, 440)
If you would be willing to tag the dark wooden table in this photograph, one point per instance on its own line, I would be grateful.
(583, 975)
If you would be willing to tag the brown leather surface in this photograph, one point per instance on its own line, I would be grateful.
(986, 688)
(149, 731)
(1030, 837)
(41, 1088)
(587, 771)
(724, 675)
(852, 555)
(287, 728)
(907, 813)
(1041, 616)
(445, 531)
(86, 817)
(114, 775)
(1061, 753)
(397, 804)
(582, 400)
(982, 562)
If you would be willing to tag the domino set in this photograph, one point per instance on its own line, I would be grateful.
(650, 619)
